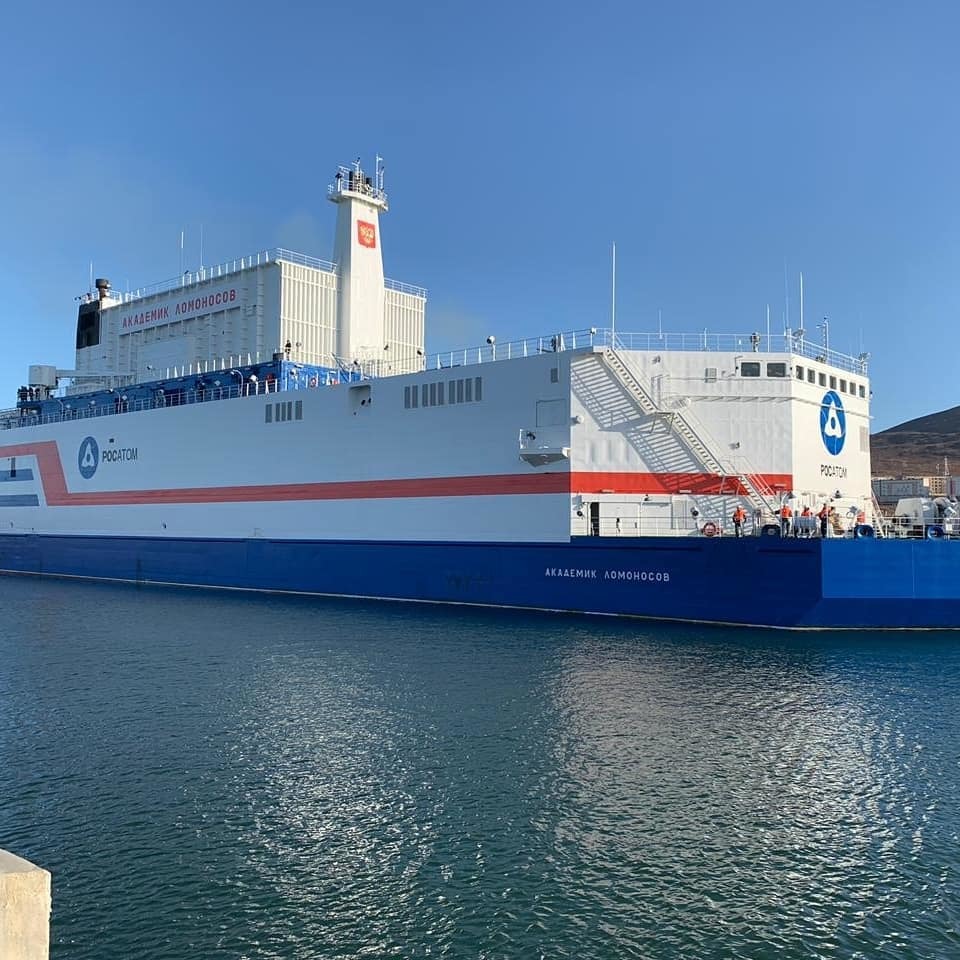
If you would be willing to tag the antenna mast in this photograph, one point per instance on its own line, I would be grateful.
(801, 299)
(613, 298)
(786, 296)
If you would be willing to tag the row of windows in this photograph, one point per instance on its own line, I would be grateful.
(280, 412)
(751, 368)
(468, 390)
(835, 383)
(778, 369)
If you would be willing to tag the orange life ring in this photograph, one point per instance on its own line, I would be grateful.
(710, 529)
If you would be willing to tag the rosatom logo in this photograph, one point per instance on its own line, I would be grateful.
(833, 422)
(89, 458)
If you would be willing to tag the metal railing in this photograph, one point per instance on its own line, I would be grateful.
(601, 337)
(11, 419)
(493, 351)
(228, 267)
(742, 343)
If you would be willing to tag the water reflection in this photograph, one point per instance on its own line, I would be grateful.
(765, 787)
(217, 776)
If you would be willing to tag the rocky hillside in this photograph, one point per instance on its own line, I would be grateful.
(917, 448)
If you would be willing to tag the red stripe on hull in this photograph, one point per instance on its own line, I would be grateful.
(581, 482)
(672, 483)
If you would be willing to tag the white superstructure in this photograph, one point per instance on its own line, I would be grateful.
(339, 313)
(284, 397)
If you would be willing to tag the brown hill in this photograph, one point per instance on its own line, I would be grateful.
(917, 448)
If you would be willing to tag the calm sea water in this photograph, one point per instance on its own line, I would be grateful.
(215, 775)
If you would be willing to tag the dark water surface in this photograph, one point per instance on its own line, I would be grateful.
(216, 775)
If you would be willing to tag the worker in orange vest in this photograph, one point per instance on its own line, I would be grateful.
(785, 517)
(739, 515)
(806, 515)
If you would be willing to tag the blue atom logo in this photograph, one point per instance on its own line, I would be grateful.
(89, 458)
(833, 422)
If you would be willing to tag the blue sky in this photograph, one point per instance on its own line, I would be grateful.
(714, 143)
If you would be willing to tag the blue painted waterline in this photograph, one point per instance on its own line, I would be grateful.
(754, 581)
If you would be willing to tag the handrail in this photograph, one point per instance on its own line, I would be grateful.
(492, 351)
(12, 419)
(229, 267)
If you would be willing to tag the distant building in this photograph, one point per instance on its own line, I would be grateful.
(889, 490)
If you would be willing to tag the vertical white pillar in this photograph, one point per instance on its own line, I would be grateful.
(359, 259)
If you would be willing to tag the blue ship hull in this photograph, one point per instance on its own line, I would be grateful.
(756, 581)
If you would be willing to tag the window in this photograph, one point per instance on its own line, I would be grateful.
(554, 375)
(776, 369)
(822, 379)
(799, 372)
(268, 413)
(811, 376)
(843, 386)
(88, 325)
(863, 392)
(298, 410)
(749, 368)
(440, 393)
(833, 383)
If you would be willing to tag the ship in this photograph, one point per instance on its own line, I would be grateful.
(275, 423)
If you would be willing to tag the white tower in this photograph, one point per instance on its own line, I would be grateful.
(360, 314)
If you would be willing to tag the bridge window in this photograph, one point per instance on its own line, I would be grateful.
(843, 386)
(833, 383)
(799, 372)
(822, 379)
(749, 368)
(863, 391)
(776, 369)
(811, 376)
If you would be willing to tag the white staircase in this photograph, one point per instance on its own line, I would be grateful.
(759, 493)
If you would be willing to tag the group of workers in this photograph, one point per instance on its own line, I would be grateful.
(26, 394)
(827, 517)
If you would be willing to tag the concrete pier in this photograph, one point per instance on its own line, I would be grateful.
(24, 909)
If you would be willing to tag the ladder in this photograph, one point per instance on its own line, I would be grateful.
(759, 493)
(882, 524)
